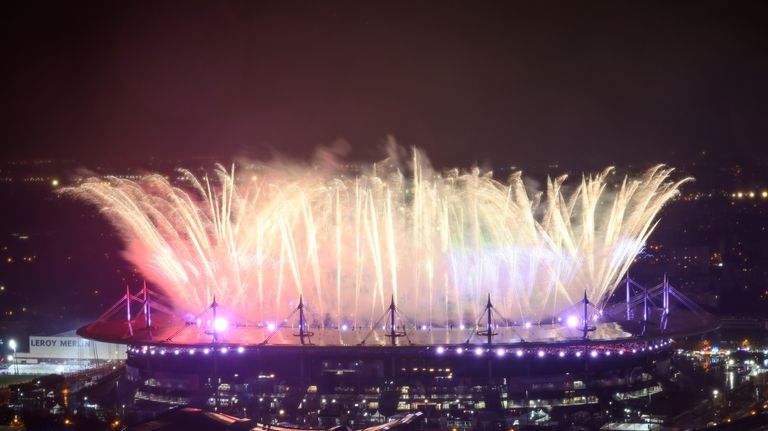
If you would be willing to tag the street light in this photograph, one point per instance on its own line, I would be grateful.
(12, 345)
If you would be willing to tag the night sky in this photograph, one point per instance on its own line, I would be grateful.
(594, 83)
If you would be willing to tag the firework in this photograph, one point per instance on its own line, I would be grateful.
(257, 237)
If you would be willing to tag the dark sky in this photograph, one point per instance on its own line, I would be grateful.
(510, 82)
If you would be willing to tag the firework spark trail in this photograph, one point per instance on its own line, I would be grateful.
(440, 243)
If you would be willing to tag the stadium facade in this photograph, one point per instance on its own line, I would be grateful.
(69, 347)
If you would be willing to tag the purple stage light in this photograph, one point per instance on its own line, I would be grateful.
(220, 324)
(572, 321)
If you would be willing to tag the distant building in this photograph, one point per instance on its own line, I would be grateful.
(69, 347)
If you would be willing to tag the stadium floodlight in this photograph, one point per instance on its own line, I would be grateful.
(12, 344)
(220, 324)
(572, 321)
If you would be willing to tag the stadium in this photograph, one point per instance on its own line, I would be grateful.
(316, 298)
(312, 376)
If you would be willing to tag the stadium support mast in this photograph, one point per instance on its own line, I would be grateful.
(128, 310)
(147, 309)
(393, 333)
(213, 307)
(666, 295)
(488, 332)
(391, 315)
(629, 307)
(645, 306)
(586, 328)
(303, 332)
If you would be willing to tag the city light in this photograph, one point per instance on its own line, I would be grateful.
(440, 350)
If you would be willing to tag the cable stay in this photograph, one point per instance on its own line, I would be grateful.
(487, 329)
(393, 330)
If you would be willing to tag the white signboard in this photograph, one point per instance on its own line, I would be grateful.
(73, 348)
